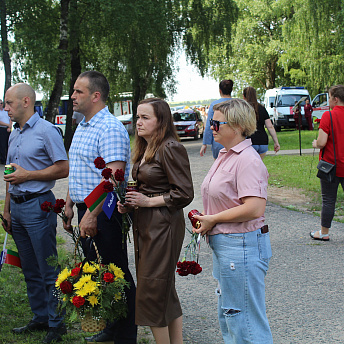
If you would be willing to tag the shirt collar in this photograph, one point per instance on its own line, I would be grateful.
(95, 119)
(30, 123)
(238, 148)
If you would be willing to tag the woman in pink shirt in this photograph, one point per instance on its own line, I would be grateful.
(234, 196)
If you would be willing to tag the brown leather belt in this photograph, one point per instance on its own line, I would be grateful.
(156, 194)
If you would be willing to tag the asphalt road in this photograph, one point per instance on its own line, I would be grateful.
(304, 285)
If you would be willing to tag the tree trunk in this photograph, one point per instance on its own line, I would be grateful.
(55, 96)
(140, 87)
(75, 71)
(5, 48)
(271, 74)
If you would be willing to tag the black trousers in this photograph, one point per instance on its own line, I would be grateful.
(109, 244)
(4, 135)
(329, 198)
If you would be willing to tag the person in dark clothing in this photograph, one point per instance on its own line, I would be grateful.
(260, 138)
(297, 115)
(308, 114)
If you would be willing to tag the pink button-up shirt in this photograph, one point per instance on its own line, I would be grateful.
(235, 174)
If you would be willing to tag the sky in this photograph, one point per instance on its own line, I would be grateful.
(191, 86)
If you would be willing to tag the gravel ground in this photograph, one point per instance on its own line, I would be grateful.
(304, 285)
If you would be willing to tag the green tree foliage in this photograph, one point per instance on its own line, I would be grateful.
(36, 39)
(208, 26)
(313, 40)
(256, 46)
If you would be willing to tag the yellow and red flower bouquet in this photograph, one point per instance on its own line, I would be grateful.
(92, 289)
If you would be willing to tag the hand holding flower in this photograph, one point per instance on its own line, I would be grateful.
(207, 223)
(88, 225)
(69, 213)
(123, 209)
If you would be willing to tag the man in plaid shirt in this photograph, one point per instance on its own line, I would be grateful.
(100, 134)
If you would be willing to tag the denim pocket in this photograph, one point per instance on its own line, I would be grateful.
(264, 247)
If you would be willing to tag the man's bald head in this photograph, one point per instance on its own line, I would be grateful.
(20, 103)
(23, 90)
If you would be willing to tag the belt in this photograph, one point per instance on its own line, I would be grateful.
(81, 206)
(156, 194)
(25, 198)
(264, 229)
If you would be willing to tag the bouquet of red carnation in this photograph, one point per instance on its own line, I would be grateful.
(186, 267)
(56, 208)
(118, 186)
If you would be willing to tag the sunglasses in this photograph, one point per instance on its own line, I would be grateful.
(216, 124)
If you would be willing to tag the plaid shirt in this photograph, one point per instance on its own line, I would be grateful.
(103, 136)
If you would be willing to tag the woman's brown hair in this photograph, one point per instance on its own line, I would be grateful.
(165, 129)
(250, 96)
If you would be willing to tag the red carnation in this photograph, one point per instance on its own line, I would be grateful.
(75, 272)
(107, 187)
(188, 267)
(60, 202)
(66, 287)
(57, 209)
(46, 206)
(99, 163)
(108, 277)
(119, 175)
(195, 268)
(78, 301)
(106, 173)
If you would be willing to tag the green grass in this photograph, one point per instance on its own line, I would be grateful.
(289, 139)
(299, 172)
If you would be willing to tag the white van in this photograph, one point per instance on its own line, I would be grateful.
(283, 107)
(269, 101)
(320, 104)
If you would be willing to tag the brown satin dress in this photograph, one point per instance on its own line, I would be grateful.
(159, 233)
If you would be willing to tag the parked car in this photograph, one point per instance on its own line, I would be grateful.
(176, 108)
(188, 123)
(127, 121)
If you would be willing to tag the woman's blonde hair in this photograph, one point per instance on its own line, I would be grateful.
(239, 114)
(165, 129)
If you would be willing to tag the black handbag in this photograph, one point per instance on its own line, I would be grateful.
(326, 170)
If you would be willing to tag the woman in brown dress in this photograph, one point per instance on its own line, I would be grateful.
(161, 167)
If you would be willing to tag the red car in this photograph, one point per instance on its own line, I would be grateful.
(188, 123)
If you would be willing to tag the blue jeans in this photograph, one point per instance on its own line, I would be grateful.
(240, 263)
(261, 149)
(34, 232)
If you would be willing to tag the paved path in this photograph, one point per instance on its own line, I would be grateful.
(306, 151)
(304, 286)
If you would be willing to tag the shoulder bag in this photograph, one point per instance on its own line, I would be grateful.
(326, 170)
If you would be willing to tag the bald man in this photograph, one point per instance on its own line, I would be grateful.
(37, 153)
